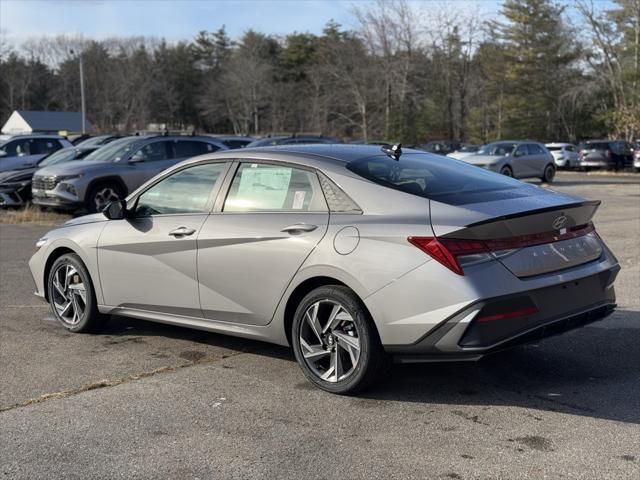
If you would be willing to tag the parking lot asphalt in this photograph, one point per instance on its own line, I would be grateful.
(141, 400)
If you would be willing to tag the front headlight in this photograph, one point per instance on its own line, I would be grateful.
(63, 178)
(67, 187)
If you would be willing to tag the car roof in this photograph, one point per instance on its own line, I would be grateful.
(558, 144)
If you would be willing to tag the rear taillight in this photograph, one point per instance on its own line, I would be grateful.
(454, 253)
(608, 153)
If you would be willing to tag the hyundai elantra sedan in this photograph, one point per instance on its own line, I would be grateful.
(350, 254)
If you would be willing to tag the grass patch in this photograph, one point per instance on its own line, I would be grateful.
(32, 214)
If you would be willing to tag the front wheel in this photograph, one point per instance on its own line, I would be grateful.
(102, 195)
(506, 171)
(71, 295)
(335, 341)
(548, 174)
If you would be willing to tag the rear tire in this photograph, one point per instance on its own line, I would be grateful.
(72, 296)
(506, 171)
(335, 341)
(102, 195)
(549, 174)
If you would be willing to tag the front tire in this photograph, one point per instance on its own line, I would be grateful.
(72, 296)
(506, 171)
(335, 341)
(548, 174)
(102, 195)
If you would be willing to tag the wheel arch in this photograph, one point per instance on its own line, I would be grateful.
(306, 286)
(53, 256)
(108, 179)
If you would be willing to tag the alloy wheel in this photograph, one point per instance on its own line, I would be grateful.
(329, 341)
(69, 294)
(104, 196)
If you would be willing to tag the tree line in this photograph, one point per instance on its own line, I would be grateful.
(536, 70)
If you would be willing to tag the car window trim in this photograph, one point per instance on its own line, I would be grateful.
(212, 195)
(220, 201)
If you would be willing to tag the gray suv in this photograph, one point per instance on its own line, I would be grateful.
(115, 170)
(24, 151)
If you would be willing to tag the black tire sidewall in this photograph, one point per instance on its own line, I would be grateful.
(91, 314)
(369, 341)
(546, 177)
(506, 168)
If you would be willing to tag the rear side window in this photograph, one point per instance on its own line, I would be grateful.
(192, 148)
(42, 146)
(440, 179)
(274, 188)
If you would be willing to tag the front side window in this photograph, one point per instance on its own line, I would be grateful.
(153, 152)
(274, 188)
(186, 191)
(17, 148)
(521, 151)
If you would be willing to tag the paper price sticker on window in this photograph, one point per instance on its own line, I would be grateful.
(298, 200)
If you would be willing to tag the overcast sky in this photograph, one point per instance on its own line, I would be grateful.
(182, 19)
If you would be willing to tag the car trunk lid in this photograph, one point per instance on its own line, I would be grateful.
(544, 234)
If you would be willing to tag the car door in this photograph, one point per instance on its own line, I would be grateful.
(538, 159)
(519, 162)
(148, 260)
(250, 248)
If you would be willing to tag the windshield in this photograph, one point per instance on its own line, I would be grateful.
(441, 179)
(498, 149)
(468, 148)
(114, 151)
(64, 155)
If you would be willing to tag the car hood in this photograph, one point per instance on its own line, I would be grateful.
(17, 175)
(74, 168)
(481, 159)
(92, 218)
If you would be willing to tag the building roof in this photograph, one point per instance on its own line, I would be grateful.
(52, 121)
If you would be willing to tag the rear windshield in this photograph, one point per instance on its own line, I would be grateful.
(554, 149)
(441, 179)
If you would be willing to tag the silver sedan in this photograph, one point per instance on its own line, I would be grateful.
(350, 254)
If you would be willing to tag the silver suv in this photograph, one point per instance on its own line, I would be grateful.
(114, 170)
(24, 151)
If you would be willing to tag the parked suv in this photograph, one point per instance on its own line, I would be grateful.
(114, 170)
(24, 151)
(564, 154)
(610, 154)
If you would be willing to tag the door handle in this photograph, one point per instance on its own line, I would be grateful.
(182, 232)
(299, 228)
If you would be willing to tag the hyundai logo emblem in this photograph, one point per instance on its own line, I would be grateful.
(559, 222)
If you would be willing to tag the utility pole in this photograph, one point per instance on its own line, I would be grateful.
(84, 115)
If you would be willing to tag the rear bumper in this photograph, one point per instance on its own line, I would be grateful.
(549, 329)
(557, 308)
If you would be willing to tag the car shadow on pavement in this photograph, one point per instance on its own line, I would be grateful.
(593, 371)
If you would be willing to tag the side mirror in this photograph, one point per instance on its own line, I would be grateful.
(116, 210)
(137, 158)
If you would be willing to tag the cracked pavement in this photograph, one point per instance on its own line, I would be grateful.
(143, 400)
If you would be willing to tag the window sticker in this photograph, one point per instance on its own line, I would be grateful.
(298, 200)
(264, 188)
